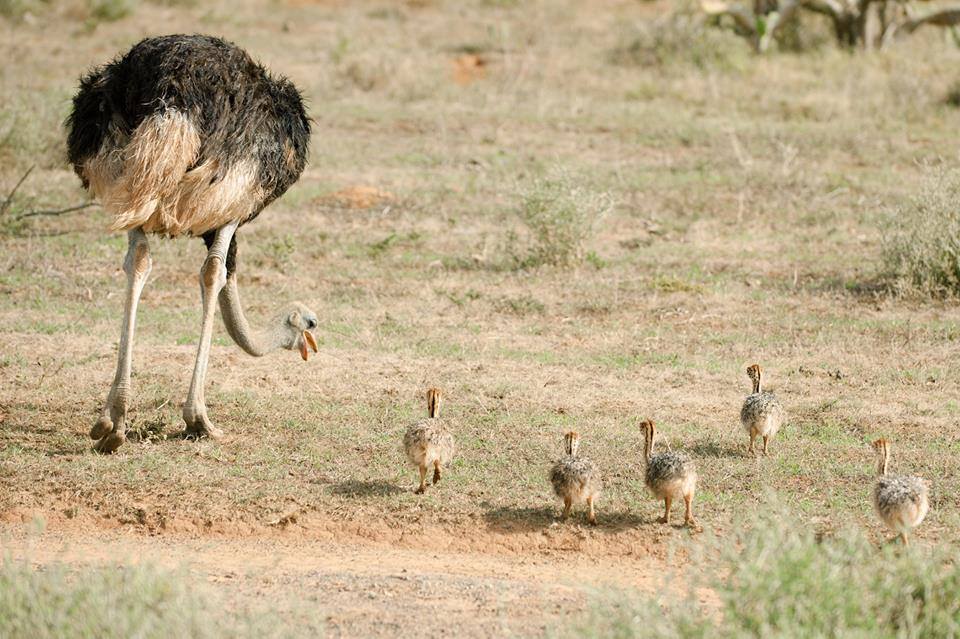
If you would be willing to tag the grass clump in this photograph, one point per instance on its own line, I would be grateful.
(117, 602)
(921, 245)
(111, 10)
(122, 601)
(17, 8)
(559, 216)
(778, 579)
(953, 95)
(681, 38)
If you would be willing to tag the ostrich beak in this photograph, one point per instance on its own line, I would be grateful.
(307, 340)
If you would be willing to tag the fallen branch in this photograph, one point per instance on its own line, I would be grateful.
(944, 18)
(69, 209)
(7, 202)
(760, 25)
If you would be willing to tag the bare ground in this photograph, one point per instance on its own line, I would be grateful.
(361, 585)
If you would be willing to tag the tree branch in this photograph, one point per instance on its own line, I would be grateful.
(69, 209)
(7, 202)
(740, 15)
(944, 18)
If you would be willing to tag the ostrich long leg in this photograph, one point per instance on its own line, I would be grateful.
(213, 277)
(110, 430)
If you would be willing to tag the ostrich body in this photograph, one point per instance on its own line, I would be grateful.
(575, 479)
(188, 136)
(901, 502)
(669, 476)
(429, 442)
(762, 413)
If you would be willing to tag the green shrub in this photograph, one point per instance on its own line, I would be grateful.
(122, 601)
(921, 244)
(559, 216)
(778, 579)
(16, 8)
(679, 38)
(953, 95)
(110, 10)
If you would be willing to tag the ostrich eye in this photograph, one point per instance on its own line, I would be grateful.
(294, 319)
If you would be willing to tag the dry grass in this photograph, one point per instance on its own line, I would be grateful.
(780, 578)
(749, 202)
(124, 601)
(922, 242)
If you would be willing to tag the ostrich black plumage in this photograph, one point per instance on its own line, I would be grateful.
(187, 135)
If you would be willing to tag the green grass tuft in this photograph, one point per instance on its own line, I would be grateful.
(559, 216)
(921, 247)
(779, 578)
(681, 38)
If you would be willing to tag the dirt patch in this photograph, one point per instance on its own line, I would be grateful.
(361, 589)
(357, 197)
(542, 537)
(469, 68)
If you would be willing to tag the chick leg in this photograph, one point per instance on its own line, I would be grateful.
(423, 480)
(688, 515)
(666, 512)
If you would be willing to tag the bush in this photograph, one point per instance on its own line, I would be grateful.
(121, 601)
(953, 95)
(779, 580)
(558, 216)
(679, 38)
(110, 10)
(921, 244)
(17, 8)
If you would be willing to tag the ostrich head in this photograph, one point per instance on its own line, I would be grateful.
(571, 443)
(434, 395)
(882, 448)
(649, 430)
(753, 372)
(294, 330)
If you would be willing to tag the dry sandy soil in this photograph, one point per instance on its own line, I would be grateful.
(362, 586)
(748, 200)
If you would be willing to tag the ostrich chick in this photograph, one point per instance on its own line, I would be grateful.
(187, 136)
(576, 479)
(429, 442)
(901, 502)
(669, 476)
(762, 413)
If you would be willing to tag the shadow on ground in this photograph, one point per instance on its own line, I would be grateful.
(510, 519)
(359, 488)
(717, 449)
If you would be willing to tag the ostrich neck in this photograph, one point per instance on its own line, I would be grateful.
(257, 343)
(756, 385)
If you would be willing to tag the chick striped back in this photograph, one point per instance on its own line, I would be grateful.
(762, 412)
(429, 441)
(576, 478)
(901, 502)
(667, 467)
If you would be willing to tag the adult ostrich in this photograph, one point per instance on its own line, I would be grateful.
(188, 136)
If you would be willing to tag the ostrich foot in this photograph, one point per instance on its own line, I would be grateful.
(201, 428)
(436, 475)
(419, 491)
(663, 520)
(103, 426)
(109, 442)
